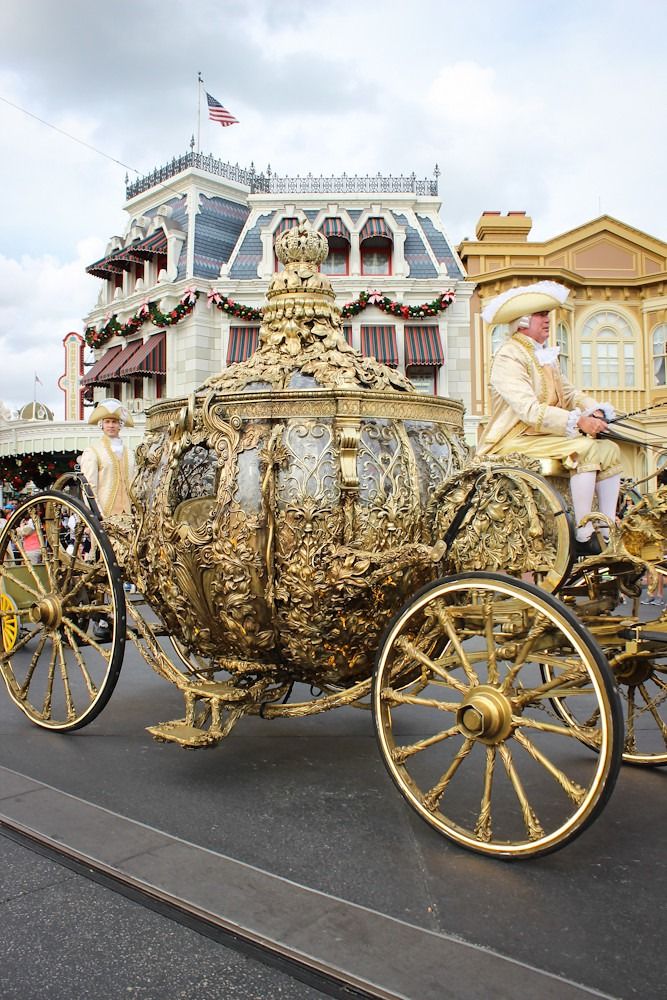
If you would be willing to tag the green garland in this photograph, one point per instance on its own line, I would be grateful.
(149, 312)
(386, 304)
(383, 302)
(233, 308)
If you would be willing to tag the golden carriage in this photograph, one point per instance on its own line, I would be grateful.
(309, 533)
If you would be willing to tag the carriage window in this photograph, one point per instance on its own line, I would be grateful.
(607, 350)
(195, 476)
(659, 340)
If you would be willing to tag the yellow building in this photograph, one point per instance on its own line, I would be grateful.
(612, 330)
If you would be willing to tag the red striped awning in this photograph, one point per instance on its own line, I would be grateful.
(243, 341)
(347, 333)
(107, 266)
(154, 244)
(123, 258)
(423, 346)
(115, 371)
(375, 227)
(149, 359)
(96, 374)
(335, 227)
(380, 342)
(284, 225)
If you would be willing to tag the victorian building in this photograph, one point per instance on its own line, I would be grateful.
(612, 330)
(182, 289)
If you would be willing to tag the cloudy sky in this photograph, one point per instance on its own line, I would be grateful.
(557, 108)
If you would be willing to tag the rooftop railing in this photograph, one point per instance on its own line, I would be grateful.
(266, 182)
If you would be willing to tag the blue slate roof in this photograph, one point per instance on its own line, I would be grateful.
(249, 256)
(440, 247)
(218, 226)
(421, 265)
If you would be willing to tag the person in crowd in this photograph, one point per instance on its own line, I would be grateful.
(30, 540)
(537, 412)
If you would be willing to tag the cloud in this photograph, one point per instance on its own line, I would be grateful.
(41, 300)
(562, 121)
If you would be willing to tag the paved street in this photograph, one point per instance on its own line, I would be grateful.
(310, 801)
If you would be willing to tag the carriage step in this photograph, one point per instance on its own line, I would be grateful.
(186, 736)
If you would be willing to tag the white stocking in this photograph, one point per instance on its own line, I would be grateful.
(608, 499)
(582, 488)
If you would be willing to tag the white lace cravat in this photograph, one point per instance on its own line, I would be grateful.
(546, 355)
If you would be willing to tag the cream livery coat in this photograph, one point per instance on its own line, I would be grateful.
(109, 475)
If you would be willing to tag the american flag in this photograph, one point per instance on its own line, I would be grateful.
(218, 114)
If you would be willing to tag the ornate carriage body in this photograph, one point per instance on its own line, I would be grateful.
(282, 509)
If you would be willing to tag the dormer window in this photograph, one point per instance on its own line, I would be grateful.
(375, 245)
(338, 238)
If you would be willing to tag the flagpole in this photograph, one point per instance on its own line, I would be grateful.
(199, 83)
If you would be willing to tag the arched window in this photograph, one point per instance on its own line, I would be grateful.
(660, 354)
(607, 348)
(498, 336)
(563, 341)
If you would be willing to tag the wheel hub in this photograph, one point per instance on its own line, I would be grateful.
(48, 611)
(633, 671)
(485, 715)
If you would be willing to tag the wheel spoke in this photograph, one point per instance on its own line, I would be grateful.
(572, 731)
(44, 551)
(536, 632)
(432, 798)
(399, 698)
(401, 753)
(650, 705)
(483, 826)
(445, 620)
(90, 685)
(572, 788)
(532, 823)
(408, 647)
(48, 696)
(69, 703)
(491, 649)
(86, 577)
(88, 639)
(23, 691)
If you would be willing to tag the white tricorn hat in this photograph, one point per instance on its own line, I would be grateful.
(111, 408)
(524, 301)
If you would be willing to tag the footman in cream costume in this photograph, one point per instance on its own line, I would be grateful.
(107, 464)
(536, 411)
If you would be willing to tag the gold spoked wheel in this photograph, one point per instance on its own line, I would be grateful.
(10, 623)
(58, 568)
(642, 687)
(465, 722)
